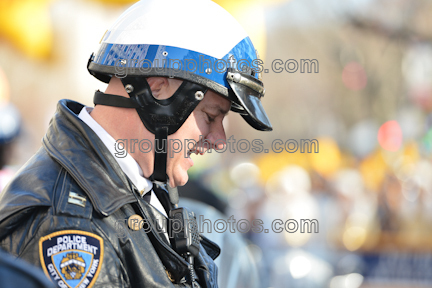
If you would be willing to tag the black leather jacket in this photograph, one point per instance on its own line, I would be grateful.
(38, 202)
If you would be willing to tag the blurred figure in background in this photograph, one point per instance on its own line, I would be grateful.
(16, 273)
(10, 123)
(13, 272)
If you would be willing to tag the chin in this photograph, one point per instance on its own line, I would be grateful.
(180, 179)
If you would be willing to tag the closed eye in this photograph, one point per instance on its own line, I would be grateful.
(210, 119)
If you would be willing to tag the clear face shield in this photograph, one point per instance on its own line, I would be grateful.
(246, 93)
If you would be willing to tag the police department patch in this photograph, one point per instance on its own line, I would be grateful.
(71, 258)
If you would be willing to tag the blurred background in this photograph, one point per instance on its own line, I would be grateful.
(369, 106)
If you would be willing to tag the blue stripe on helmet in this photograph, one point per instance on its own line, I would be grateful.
(144, 55)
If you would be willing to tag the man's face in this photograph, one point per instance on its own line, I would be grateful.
(204, 121)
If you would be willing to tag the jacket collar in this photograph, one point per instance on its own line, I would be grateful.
(79, 150)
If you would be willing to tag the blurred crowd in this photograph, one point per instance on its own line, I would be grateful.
(374, 215)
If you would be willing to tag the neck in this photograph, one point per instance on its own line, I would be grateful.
(130, 134)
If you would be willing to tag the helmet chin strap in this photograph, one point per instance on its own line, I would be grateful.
(160, 155)
(160, 117)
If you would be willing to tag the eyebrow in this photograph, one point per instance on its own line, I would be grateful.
(219, 109)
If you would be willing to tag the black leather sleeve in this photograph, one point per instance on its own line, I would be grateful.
(27, 246)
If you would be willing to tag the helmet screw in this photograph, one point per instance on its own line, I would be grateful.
(165, 53)
(208, 71)
(236, 77)
(199, 95)
(129, 88)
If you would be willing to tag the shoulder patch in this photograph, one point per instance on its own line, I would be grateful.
(71, 258)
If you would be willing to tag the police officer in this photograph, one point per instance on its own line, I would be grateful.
(174, 70)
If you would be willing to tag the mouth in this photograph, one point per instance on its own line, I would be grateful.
(196, 151)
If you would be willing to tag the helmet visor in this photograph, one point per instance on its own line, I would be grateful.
(246, 93)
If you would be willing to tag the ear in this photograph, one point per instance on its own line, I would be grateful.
(158, 86)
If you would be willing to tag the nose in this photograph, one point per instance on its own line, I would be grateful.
(217, 136)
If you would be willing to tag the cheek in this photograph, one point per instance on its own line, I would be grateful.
(201, 124)
(195, 126)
